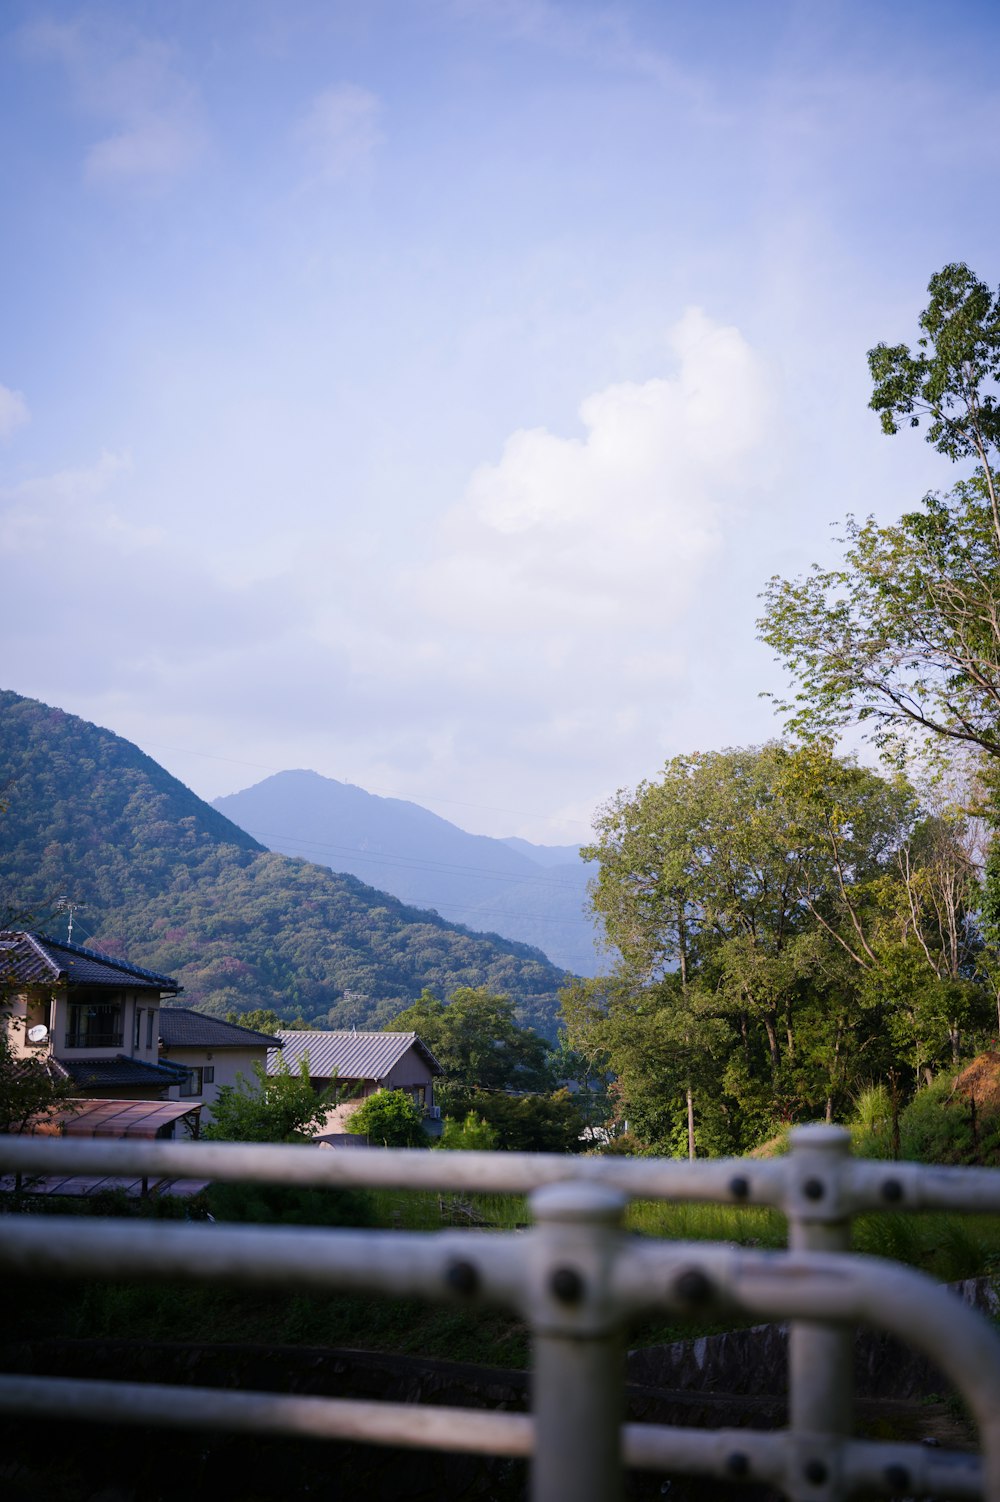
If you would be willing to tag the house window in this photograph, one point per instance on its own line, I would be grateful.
(150, 1019)
(197, 1079)
(95, 1024)
(137, 1040)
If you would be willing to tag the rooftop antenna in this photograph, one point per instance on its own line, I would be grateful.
(65, 906)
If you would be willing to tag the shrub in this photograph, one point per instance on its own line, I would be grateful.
(474, 1134)
(290, 1205)
(389, 1119)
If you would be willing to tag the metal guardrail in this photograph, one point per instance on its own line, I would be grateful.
(577, 1278)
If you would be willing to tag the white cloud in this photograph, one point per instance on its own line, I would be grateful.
(340, 130)
(151, 151)
(612, 530)
(130, 82)
(13, 411)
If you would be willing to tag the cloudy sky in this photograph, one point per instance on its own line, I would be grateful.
(421, 391)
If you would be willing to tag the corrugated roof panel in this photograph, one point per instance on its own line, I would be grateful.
(350, 1056)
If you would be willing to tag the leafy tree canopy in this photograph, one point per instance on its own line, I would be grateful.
(258, 1020)
(786, 922)
(477, 1041)
(279, 1107)
(904, 637)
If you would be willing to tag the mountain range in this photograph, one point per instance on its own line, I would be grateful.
(532, 893)
(151, 873)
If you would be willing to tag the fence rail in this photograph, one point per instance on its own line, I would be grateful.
(577, 1278)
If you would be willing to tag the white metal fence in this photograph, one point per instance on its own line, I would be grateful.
(577, 1278)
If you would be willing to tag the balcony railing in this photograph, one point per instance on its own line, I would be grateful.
(103, 1038)
(578, 1279)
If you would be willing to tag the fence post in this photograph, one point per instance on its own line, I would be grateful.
(820, 1355)
(578, 1355)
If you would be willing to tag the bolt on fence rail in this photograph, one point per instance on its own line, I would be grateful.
(577, 1278)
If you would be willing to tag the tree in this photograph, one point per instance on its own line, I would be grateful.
(904, 637)
(477, 1041)
(259, 1020)
(741, 890)
(543, 1122)
(27, 1089)
(389, 1119)
(279, 1107)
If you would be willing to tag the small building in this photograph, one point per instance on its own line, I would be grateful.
(361, 1063)
(92, 1020)
(210, 1052)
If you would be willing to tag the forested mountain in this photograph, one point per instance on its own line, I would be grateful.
(533, 893)
(158, 876)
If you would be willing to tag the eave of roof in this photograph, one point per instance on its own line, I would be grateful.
(183, 1027)
(33, 959)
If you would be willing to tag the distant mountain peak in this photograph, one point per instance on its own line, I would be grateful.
(533, 894)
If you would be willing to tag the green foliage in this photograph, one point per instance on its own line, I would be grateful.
(26, 1087)
(546, 1123)
(472, 1134)
(942, 1125)
(259, 1020)
(904, 636)
(279, 1107)
(389, 1119)
(162, 879)
(871, 1122)
(289, 1205)
(789, 926)
(476, 1039)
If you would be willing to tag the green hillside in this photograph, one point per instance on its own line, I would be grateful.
(160, 877)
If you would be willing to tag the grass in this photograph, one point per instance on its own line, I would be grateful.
(949, 1247)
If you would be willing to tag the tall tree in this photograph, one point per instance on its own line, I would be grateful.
(904, 637)
(743, 887)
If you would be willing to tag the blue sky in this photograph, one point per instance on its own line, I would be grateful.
(422, 392)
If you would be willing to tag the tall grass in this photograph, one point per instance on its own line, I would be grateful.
(753, 1226)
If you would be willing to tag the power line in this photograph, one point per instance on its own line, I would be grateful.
(412, 862)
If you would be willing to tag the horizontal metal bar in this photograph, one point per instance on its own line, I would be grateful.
(864, 1186)
(399, 1264)
(734, 1180)
(733, 1454)
(415, 1426)
(838, 1287)
(749, 1455)
(920, 1186)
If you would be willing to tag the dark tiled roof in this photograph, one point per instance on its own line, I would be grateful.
(88, 1073)
(180, 1027)
(34, 959)
(352, 1056)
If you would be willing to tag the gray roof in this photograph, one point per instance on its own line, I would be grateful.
(34, 959)
(88, 1073)
(351, 1056)
(180, 1027)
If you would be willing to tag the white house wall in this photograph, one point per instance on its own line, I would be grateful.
(228, 1063)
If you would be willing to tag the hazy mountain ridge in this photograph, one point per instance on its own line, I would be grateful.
(533, 894)
(161, 877)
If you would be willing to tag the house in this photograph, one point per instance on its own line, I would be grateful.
(92, 1020)
(93, 1023)
(212, 1053)
(362, 1063)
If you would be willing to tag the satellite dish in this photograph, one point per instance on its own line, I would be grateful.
(38, 1033)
